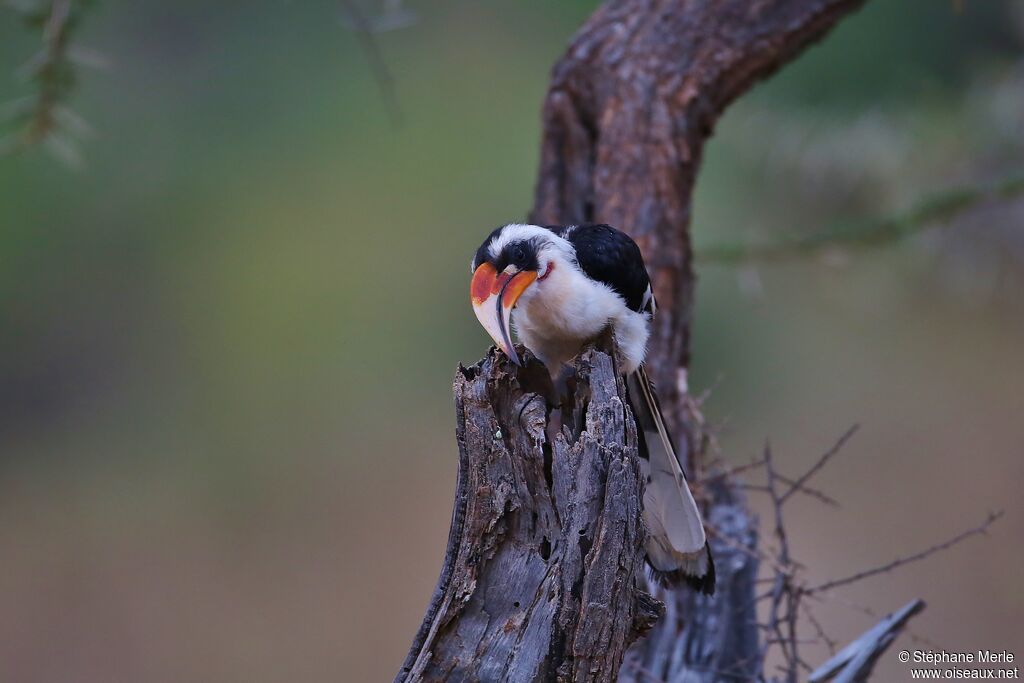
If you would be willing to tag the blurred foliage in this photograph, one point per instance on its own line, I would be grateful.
(44, 117)
(927, 214)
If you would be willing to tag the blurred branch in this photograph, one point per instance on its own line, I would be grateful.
(929, 213)
(393, 16)
(44, 117)
(855, 661)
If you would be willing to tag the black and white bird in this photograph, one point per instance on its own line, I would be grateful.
(562, 286)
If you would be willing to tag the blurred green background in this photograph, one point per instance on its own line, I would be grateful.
(228, 339)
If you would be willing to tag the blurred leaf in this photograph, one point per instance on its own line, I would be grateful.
(70, 121)
(51, 71)
(64, 150)
(88, 57)
(18, 109)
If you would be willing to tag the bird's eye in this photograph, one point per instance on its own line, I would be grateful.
(518, 253)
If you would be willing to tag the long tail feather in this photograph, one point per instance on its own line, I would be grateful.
(677, 547)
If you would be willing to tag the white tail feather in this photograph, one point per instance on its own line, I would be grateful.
(676, 541)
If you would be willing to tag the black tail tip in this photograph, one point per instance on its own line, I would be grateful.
(704, 584)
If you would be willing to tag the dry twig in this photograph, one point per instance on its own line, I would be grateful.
(788, 593)
(900, 561)
(826, 456)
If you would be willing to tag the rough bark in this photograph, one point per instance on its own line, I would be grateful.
(542, 577)
(540, 580)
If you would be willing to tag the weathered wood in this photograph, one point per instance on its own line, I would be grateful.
(854, 663)
(708, 638)
(542, 577)
(545, 551)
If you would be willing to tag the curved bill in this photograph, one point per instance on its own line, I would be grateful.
(493, 295)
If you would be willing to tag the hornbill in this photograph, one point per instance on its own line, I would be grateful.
(563, 286)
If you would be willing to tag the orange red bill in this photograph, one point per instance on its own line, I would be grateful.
(493, 296)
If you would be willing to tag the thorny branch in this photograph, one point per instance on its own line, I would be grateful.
(785, 595)
(788, 592)
(900, 561)
(723, 472)
(799, 484)
(806, 490)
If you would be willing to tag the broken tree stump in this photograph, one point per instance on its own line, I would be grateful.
(543, 574)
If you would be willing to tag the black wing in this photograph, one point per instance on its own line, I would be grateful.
(612, 257)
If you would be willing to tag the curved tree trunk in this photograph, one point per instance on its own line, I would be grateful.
(542, 577)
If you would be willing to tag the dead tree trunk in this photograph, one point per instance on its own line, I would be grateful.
(542, 577)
